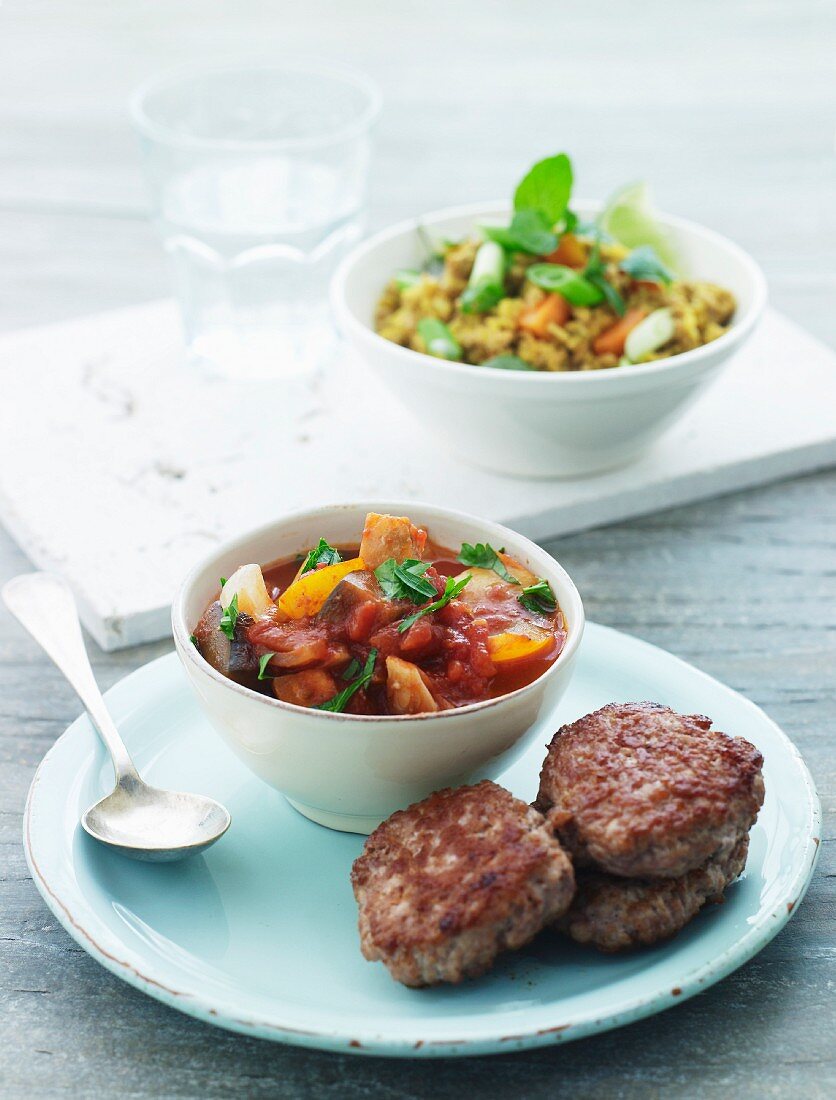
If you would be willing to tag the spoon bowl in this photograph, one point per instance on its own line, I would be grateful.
(137, 820)
(158, 826)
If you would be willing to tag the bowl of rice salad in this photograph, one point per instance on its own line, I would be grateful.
(552, 338)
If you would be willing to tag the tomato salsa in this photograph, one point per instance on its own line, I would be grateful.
(393, 625)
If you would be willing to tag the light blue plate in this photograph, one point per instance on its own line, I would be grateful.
(259, 935)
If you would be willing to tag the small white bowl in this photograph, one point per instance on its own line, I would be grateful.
(346, 771)
(541, 424)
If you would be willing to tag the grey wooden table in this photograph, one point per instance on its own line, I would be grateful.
(731, 110)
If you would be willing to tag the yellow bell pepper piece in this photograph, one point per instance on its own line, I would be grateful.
(307, 595)
(516, 646)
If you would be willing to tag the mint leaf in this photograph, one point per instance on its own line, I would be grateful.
(339, 702)
(539, 598)
(529, 231)
(405, 580)
(263, 662)
(322, 554)
(546, 188)
(483, 556)
(229, 618)
(451, 589)
(644, 263)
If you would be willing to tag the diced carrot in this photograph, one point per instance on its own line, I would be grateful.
(570, 252)
(553, 310)
(612, 340)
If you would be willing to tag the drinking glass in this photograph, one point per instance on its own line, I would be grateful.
(258, 177)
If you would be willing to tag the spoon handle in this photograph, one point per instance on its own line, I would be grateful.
(44, 605)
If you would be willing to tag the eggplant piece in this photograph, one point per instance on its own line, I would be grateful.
(356, 588)
(305, 689)
(387, 537)
(230, 656)
(406, 690)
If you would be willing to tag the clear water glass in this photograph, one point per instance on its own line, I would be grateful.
(258, 182)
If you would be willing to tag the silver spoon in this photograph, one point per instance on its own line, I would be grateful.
(140, 821)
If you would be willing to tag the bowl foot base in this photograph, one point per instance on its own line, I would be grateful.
(342, 823)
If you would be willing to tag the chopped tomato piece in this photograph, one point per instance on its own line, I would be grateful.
(612, 340)
(553, 310)
(570, 252)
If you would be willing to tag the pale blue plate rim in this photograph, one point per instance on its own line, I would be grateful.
(97, 940)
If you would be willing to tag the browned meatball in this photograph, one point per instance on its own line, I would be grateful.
(616, 913)
(446, 885)
(644, 792)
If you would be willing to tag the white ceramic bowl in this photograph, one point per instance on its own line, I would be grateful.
(350, 772)
(543, 424)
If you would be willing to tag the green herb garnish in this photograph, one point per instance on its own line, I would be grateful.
(644, 263)
(546, 188)
(341, 699)
(451, 589)
(229, 618)
(407, 277)
(322, 554)
(508, 362)
(405, 580)
(438, 339)
(483, 556)
(539, 598)
(263, 662)
(595, 273)
(194, 641)
(573, 286)
(528, 232)
(223, 581)
(351, 669)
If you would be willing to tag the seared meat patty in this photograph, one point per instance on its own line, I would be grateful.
(616, 913)
(644, 792)
(446, 885)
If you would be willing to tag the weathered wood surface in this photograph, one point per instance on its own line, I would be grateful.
(730, 110)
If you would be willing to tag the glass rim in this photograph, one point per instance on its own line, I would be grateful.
(168, 78)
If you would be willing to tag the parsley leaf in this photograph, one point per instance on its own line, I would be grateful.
(229, 618)
(351, 669)
(529, 231)
(546, 188)
(322, 554)
(644, 263)
(595, 273)
(451, 589)
(508, 362)
(483, 556)
(341, 699)
(263, 662)
(405, 580)
(539, 598)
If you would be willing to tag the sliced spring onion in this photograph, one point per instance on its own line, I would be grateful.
(649, 335)
(508, 362)
(438, 339)
(407, 277)
(486, 285)
(566, 281)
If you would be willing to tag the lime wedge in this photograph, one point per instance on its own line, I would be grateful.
(628, 216)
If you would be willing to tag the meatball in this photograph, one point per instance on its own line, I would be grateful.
(615, 913)
(446, 885)
(641, 791)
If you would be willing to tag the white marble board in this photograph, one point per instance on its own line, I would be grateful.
(120, 466)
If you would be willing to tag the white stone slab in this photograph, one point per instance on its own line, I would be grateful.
(120, 466)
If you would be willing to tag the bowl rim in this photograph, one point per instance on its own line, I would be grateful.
(182, 634)
(738, 331)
